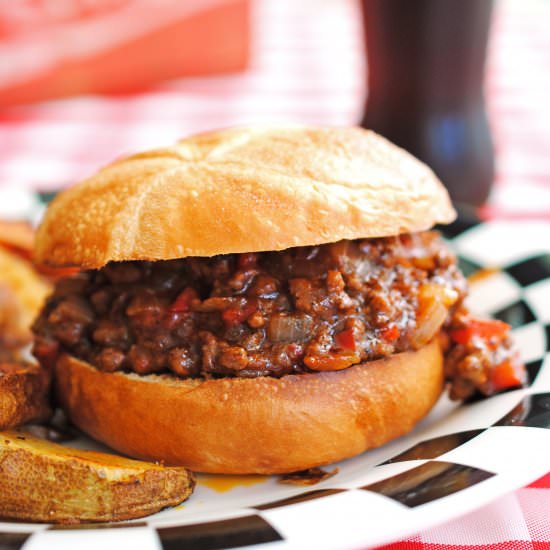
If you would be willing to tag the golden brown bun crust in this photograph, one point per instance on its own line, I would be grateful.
(262, 425)
(243, 190)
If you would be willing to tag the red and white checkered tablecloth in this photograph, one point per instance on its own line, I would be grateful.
(307, 67)
(518, 520)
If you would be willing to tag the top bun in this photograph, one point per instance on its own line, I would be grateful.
(243, 190)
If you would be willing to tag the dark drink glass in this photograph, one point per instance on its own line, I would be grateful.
(426, 61)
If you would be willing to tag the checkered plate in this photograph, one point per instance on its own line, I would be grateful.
(456, 460)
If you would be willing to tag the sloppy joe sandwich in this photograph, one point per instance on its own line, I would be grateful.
(260, 300)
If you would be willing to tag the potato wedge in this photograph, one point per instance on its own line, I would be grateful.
(24, 393)
(13, 335)
(29, 289)
(45, 482)
(17, 236)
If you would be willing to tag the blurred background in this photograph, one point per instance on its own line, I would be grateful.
(85, 81)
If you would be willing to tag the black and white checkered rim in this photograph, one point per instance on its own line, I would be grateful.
(457, 459)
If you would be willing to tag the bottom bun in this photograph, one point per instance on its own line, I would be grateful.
(262, 425)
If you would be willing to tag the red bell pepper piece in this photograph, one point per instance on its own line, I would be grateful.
(236, 314)
(345, 340)
(183, 301)
(390, 334)
(484, 328)
(507, 375)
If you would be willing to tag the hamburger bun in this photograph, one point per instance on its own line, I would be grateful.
(262, 425)
(242, 190)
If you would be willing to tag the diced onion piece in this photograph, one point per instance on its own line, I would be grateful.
(433, 311)
(347, 253)
(289, 328)
(429, 323)
(423, 262)
(431, 291)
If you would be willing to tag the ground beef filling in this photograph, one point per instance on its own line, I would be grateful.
(306, 309)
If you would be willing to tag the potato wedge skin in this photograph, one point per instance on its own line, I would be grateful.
(45, 482)
(24, 394)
